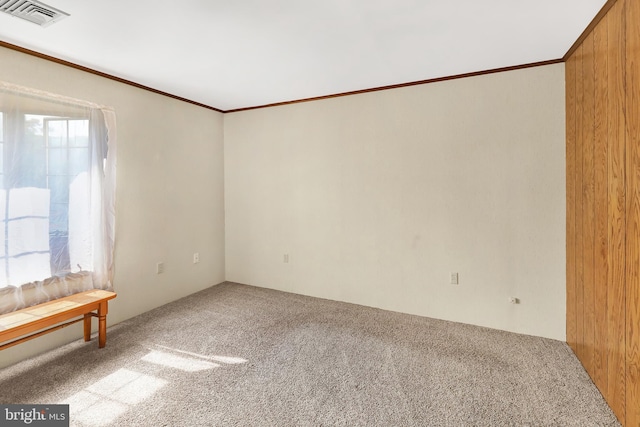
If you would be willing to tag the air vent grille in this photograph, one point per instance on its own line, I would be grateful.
(32, 11)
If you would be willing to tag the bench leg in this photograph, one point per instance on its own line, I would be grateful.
(102, 324)
(87, 327)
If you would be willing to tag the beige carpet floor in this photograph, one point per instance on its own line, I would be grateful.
(236, 355)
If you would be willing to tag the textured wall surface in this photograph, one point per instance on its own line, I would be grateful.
(376, 198)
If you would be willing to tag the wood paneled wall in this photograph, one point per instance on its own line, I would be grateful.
(603, 207)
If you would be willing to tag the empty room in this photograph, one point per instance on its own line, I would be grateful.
(354, 213)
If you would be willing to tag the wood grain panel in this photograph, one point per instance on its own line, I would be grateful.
(600, 16)
(603, 130)
(615, 394)
(579, 206)
(588, 202)
(570, 71)
(632, 91)
(601, 206)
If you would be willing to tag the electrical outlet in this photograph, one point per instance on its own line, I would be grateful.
(454, 279)
(160, 268)
(196, 258)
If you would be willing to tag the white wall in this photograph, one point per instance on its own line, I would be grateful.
(169, 191)
(378, 197)
(375, 197)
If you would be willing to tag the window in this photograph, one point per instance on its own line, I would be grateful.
(60, 153)
(67, 144)
(57, 185)
(52, 153)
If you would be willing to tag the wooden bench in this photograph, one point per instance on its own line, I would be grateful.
(88, 304)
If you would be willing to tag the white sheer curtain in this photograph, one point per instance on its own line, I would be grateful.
(57, 196)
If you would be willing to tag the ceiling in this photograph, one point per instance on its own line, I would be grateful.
(244, 53)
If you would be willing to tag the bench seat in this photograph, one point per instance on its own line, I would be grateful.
(94, 303)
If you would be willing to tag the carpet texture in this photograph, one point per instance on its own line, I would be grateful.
(236, 355)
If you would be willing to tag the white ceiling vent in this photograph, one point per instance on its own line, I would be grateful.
(32, 11)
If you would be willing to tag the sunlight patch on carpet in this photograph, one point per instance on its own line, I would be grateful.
(229, 360)
(105, 400)
(178, 362)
